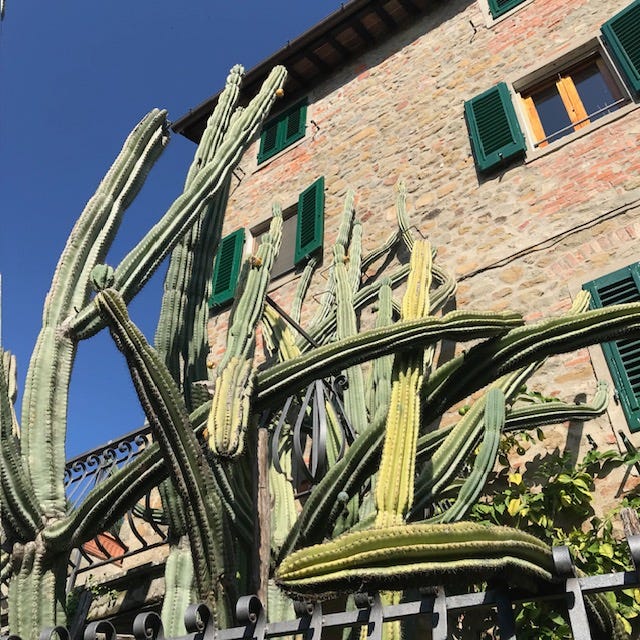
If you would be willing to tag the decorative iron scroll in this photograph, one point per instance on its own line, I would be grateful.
(433, 607)
(144, 525)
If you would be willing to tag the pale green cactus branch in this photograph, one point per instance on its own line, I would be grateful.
(234, 379)
(493, 423)
(326, 310)
(379, 252)
(537, 415)
(303, 287)
(346, 476)
(354, 397)
(44, 407)
(141, 262)
(354, 256)
(18, 501)
(365, 296)
(185, 288)
(421, 554)
(489, 360)
(11, 379)
(379, 391)
(528, 417)
(284, 379)
(403, 220)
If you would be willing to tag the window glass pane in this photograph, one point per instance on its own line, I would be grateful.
(552, 113)
(594, 92)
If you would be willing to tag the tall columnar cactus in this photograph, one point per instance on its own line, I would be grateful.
(35, 518)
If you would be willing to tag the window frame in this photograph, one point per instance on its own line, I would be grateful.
(546, 75)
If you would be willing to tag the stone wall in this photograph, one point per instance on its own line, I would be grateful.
(524, 238)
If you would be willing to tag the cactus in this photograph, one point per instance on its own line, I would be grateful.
(167, 414)
(420, 554)
(229, 416)
(35, 518)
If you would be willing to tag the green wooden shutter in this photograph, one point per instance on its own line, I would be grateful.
(498, 7)
(294, 124)
(283, 130)
(268, 141)
(493, 127)
(227, 268)
(310, 227)
(622, 356)
(622, 34)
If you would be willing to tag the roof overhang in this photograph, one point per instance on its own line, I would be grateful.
(355, 27)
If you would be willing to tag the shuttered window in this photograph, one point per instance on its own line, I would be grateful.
(622, 35)
(283, 130)
(227, 268)
(498, 7)
(622, 356)
(310, 227)
(495, 134)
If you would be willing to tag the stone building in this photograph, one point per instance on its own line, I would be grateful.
(514, 125)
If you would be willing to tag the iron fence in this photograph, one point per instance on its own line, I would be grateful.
(436, 610)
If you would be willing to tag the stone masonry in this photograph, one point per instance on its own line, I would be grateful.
(523, 239)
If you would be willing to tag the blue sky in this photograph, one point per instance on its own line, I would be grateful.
(75, 78)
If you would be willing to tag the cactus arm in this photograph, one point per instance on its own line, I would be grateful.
(403, 220)
(445, 288)
(186, 282)
(179, 592)
(395, 482)
(303, 287)
(323, 506)
(354, 397)
(18, 499)
(141, 262)
(461, 440)
(420, 554)
(229, 416)
(538, 415)
(284, 379)
(326, 311)
(379, 392)
(11, 380)
(354, 256)
(529, 417)
(493, 422)
(168, 417)
(366, 295)
(377, 253)
(44, 407)
(488, 360)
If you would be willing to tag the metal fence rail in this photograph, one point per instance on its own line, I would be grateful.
(435, 609)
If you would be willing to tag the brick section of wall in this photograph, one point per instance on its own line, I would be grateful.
(397, 114)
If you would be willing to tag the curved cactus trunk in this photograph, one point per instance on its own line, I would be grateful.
(189, 471)
(234, 380)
